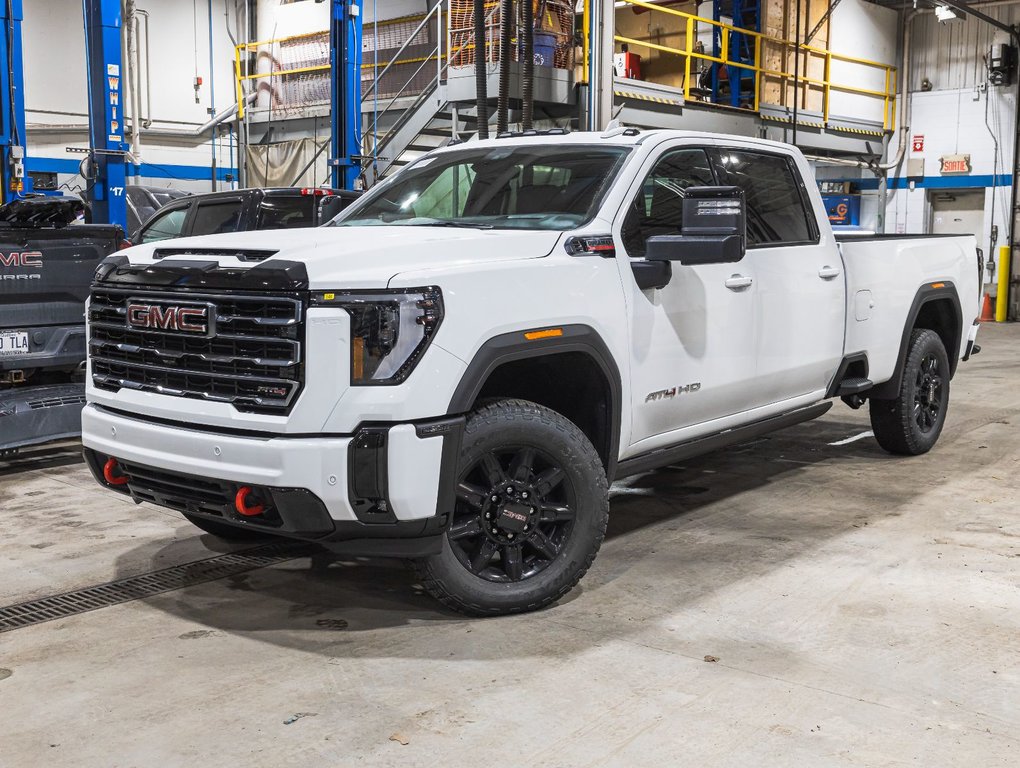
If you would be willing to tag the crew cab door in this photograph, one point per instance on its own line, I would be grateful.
(800, 300)
(692, 341)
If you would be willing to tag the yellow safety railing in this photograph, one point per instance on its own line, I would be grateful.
(826, 84)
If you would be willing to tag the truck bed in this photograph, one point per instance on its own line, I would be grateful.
(886, 274)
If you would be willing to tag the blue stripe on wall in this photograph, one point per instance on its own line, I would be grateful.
(939, 182)
(148, 170)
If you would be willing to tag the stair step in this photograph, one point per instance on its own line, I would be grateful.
(854, 386)
(448, 116)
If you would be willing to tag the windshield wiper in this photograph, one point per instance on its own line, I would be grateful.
(449, 223)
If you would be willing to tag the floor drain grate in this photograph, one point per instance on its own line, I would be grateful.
(149, 584)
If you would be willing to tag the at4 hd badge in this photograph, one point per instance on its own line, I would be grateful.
(669, 394)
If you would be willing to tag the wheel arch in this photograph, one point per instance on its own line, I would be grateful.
(936, 306)
(587, 380)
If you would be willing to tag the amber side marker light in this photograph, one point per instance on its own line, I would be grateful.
(548, 333)
(938, 285)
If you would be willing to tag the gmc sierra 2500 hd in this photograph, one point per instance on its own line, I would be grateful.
(46, 266)
(456, 370)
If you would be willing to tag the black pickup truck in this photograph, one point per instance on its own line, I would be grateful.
(243, 210)
(47, 262)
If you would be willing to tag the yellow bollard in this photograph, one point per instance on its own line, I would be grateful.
(1002, 296)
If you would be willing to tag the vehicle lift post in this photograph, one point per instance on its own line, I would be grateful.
(106, 111)
(12, 111)
(345, 65)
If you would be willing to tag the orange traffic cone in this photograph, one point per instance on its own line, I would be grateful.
(987, 310)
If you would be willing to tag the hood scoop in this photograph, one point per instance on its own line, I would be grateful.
(241, 254)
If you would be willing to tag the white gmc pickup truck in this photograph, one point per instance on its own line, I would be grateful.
(456, 368)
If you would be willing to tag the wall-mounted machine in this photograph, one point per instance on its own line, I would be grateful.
(1001, 63)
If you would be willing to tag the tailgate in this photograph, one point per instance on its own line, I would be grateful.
(45, 273)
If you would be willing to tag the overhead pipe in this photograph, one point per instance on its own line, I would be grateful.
(528, 69)
(142, 13)
(169, 133)
(481, 84)
(506, 9)
(130, 58)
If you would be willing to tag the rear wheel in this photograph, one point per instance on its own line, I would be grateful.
(911, 423)
(224, 530)
(530, 515)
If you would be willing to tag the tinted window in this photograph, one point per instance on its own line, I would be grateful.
(658, 207)
(776, 210)
(218, 217)
(519, 187)
(165, 226)
(287, 212)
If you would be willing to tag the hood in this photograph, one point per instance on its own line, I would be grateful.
(358, 257)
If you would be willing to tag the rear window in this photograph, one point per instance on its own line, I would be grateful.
(288, 212)
(216, 218)
(777, 212)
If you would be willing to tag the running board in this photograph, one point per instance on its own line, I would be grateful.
(663, 457)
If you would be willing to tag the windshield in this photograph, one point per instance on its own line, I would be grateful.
(555, 187)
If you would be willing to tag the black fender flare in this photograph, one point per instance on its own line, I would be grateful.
(925, 295)
(514, 346)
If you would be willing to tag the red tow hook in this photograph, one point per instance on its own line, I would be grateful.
(110, 477)
(241, 503)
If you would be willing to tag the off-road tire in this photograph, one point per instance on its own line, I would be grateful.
(224, 530)
(507, 430)
(911, 423)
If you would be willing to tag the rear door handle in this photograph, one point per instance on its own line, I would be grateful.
(738, 282)
(827, 272)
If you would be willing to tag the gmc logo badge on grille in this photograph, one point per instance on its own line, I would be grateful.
(169, 317)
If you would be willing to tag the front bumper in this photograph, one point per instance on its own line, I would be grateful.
(386, 481)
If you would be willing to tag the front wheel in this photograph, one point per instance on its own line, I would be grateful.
(911, 423)
(530, 515)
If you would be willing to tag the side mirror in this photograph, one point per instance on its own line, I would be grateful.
(329, 207)
(714, 226)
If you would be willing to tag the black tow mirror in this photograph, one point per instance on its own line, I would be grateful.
(714, 227)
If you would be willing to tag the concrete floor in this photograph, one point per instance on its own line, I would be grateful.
(863, 610)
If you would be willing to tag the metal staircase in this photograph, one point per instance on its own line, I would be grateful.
(408, 126)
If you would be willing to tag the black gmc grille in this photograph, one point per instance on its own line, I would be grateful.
(253, 360)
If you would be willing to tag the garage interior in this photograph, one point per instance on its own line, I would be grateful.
(801, 598)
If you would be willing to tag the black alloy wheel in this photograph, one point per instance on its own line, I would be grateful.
(531, 510)
(515, 509)
(910, 423)
(928, 393)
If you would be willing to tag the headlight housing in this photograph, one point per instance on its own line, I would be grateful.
(390, 330)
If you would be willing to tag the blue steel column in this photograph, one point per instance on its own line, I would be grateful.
(106, 110)
(12, 111)
(345, 61)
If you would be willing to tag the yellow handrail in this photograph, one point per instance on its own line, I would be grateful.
(826, 83)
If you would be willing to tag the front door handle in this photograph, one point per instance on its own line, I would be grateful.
(827, 272)
(738, 282)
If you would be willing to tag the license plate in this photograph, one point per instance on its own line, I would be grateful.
(13, 343)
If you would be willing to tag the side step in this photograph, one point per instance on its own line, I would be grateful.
(853, 386)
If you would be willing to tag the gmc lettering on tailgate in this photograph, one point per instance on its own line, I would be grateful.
(27, 260)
